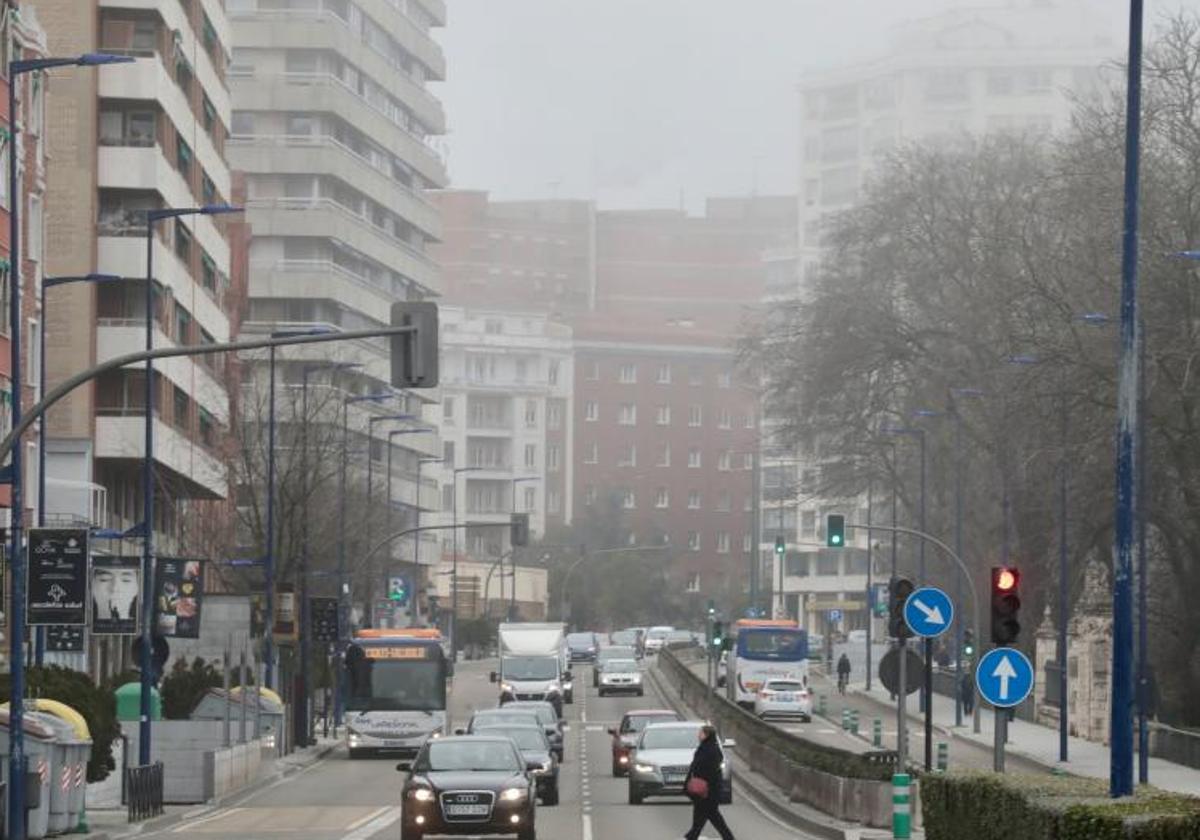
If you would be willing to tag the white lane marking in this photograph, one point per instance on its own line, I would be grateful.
(595, 729)
(587, 827)
(188, 826)
(378, 824)
(372, 815)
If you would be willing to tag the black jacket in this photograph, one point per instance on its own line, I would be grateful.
(706, 764)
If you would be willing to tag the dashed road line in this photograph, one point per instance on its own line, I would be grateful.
(389, 816)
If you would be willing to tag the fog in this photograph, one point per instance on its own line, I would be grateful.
(640, 103)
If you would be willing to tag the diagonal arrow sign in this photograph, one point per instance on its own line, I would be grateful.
(933, 616)
(1004, 672)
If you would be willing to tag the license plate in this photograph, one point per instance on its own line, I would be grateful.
(787, 698)
(467, 810)
(674, 778)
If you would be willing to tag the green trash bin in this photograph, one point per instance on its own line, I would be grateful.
(129, 702)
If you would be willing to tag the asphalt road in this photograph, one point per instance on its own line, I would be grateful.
(340, 799)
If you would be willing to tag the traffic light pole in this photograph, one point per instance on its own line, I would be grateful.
(962, 567)
(902, 710)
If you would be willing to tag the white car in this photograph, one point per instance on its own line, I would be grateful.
(783, 698)
(621, 675)
(656, 637)
(856, 637)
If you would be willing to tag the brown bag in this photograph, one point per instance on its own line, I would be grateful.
(697, 788)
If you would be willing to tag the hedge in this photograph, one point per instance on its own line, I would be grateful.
(987, 806)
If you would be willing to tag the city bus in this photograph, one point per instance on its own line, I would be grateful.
(395, 691)
(763, 649)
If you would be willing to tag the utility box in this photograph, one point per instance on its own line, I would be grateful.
(129, 702)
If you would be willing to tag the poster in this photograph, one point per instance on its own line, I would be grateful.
(286, 626)
(178, 590)
(116, 591)
(58, 569)
(60, 639)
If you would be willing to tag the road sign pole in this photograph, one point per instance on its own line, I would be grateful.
(928, 704)
(901, 711)
(1001, 733)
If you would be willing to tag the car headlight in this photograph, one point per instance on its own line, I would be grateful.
(637, 678)
(552, 690)
(506, 688)
(644, 768)
(547, 766)
(513, 794)
(421, 794)
(354, 739)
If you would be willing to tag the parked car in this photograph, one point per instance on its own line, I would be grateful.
(625, 734)
(783, 698)
(661, 758)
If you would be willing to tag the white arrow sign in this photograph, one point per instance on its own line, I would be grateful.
(1004, 672)
(933, 616)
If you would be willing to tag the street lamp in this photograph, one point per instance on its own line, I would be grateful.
(919, 433)
(371, 421)
(16, 631)
(512, 604)
(47, 283)
(152, 218)
(454, 561)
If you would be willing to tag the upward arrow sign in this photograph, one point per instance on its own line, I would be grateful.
(932, 615)
(1004, 671)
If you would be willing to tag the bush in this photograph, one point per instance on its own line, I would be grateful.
(985, 806)
(185, 687)
(97, 705)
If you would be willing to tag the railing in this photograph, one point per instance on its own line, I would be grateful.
(144, 791)
(325, 267)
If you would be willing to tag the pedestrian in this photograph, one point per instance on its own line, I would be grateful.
(704, 785)
(966, 691)
(843, 673)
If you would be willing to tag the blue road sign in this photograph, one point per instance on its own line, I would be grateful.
(1004, 677)
(835, 615)
(929, 612)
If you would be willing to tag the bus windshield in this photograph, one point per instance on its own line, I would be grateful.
(389, 685)
(780, 644)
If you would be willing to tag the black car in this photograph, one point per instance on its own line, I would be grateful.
(555, 726)
(535, 748)
(583, 646)
(469, 784)
(526, 715)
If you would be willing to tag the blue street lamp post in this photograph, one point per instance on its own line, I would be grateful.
(146, 664)
(49, 283)
(16, 636)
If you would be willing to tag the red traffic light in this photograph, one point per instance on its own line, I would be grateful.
(1006, 580)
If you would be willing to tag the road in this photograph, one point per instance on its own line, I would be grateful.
(339, 799)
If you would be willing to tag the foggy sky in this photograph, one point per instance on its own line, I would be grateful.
(644, 103)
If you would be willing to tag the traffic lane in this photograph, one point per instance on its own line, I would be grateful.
(606, 809)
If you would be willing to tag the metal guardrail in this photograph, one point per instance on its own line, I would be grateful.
(144, 790)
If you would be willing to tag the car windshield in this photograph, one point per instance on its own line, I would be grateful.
(545, 713)
(470, 755)
(529, 668)
(669, 738)
(581, 640)
(636, 723)
(616, 653)
(500, 717)
(525, 737)
(784, 685)
(624, 637)
(620, 665)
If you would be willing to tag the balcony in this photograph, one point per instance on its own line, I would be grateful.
(322, 280)
(325, 218)
(324, 92)
(322, 155)
(195, 471)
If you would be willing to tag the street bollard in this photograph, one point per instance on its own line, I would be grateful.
(877, 733)
(901, 807)
(854, 721)
(821, 705)
(845, 720)
(943, 756)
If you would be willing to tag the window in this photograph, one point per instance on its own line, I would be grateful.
(808, 524)
(183, 157)
(695, 376)
(695, 415)
(591, 411)
(522, 369)
(183, 325)
(723, 459)
(181, 404)
(827, 563)
(628, 456)
(552, 373)
(693, 500)
(530, 456)
(208, 189)
(694, 540)
(722, 542)
(553, 459)
(628, 499)
(693, 581)
(663, 375)
(748, 504)
(664, 456)
(36, 227)
(183, 242)
(447, 497)
(747, 543)
(553, 502)
(724, 380)
(4, 153)
(530, 498)
(493, 326)
(210, 114)
(592, 454)
(662, 498)
(554, 416)
(747, 460)
(208, 272)
(589, 494)
(662, 415)
(145, 34)
(694, 458)
(627, 374)
(448, 410)
(627, 415)
(530, 414)
(724, 419)
(593, 370)
(448, 457)
(724, 501)
(208, 429)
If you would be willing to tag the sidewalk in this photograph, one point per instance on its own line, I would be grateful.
(1040, 744)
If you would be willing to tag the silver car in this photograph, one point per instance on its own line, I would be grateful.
(621, 675)
(783, 698)
(661, 758)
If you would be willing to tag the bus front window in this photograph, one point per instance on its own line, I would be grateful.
(382, 685)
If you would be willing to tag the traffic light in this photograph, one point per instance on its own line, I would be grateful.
(519, 530)
(835, 530)
(415, 354)
(898, 591)
(968, 648)
(1006, 604)
(718, 636)
(398, 590)
(780, 545)
(712, 608)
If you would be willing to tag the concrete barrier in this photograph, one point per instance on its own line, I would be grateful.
(231, 769)
(183, 746)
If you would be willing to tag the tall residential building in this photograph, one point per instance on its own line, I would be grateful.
(125, 139)
(335, 129)
(507, 391)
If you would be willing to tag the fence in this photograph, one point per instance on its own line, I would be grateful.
(144, 789)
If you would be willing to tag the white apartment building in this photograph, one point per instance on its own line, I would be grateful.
(990, 66)
(505, 424)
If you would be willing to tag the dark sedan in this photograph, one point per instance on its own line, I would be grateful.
(469, 784)
(583, 646)
(535, 748)
(555, 726)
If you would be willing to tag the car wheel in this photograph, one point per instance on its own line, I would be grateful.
(550, 797)
(601, 692)
(635, 795)
(410, 832)
(570, 698)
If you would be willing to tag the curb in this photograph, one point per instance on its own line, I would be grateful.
(763, 798)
